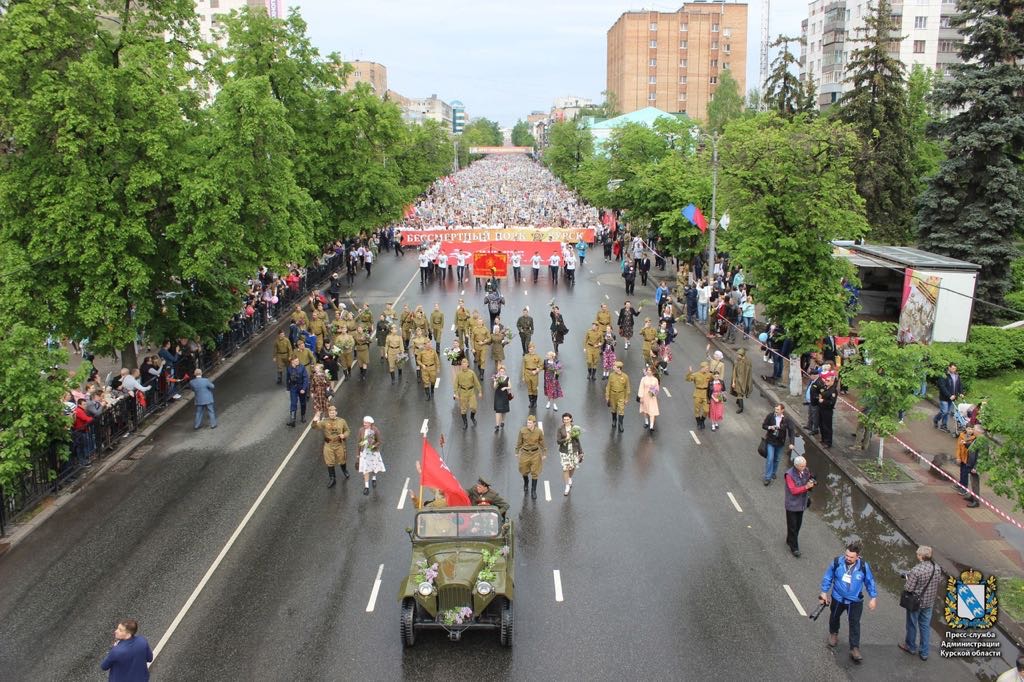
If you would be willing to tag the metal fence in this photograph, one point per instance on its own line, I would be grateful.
(49, 472)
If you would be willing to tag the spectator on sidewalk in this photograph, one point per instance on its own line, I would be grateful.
(826, 396)
(963, 443)
(923, 580)
(128, 658)
(975, 451)
(950, 389)
(842, 588)
(80, 432)
(203, 388)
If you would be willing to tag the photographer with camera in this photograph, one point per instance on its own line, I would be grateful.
(799, 484)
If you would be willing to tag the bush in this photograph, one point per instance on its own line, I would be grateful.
(995, 350)
(940, 355)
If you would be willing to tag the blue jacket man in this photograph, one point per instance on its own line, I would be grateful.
(841, 589)
(127, 659)
(203, 388)
(298, 389)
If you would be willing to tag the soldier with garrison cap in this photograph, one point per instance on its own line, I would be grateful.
(701, 379)
(532, 367)
(616, 393)
(467, 390)
(335, 431)
(531, 451)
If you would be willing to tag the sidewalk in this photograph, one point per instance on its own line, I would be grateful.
(926, 509)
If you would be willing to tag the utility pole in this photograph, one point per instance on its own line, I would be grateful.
(714, 201)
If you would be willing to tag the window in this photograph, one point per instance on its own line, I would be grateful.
(946, 22)
(714, 28)
(725, 65)
(683, 28)
(682, 80)
(918, 47)
(653, 44)
(654, 26)
(714, 63)
(714, 44)
(682, 63)
(728, 48)
(896, 19)
(682, 96)
(949, 46)
(713, 80)
(652, 80)
(727, 33)
(920, 22)
(652, 97)
(214, 4)
(682, 44)
(652, 63)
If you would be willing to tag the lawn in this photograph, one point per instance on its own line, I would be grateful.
(1011, 597)
(995, 389)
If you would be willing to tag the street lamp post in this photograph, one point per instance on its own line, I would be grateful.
(714, 199)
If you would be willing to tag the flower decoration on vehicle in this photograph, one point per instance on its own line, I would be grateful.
(425, 573)
(456, 615)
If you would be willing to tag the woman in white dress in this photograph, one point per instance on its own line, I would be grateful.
(647, 396)
(370, 461)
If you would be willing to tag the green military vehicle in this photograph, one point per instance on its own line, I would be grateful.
(462, 574)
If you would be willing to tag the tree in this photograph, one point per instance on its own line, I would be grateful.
(886, 379)
(31, 413)
(783, 92)
(570, 144)
(727, 103)
(521, 136)
(972, 208)
(660, 189)
(789, 188)
(96, 119)
(922, 115)
(876, 107)
(1003, 461)
(482, 132)
(609, 108)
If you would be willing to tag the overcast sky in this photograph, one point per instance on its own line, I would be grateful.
(502, 59)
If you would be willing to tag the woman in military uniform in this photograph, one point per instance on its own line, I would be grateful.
(467, 390)
(362, 339)
(531, 452)
(498, 341)
(346, 344)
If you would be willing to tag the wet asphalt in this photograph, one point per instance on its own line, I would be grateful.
(662, 576)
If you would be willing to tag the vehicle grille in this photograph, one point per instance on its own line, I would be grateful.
(454, 596)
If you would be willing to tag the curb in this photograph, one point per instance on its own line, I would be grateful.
(1011, 629)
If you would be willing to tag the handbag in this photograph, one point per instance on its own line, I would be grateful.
(911, 601)
(762, 448)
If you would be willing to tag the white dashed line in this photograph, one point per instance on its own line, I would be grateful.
(796, 602)
(558, 585)
(667, 393)
(607, 297)
(376, 588)
(437, 382)
(598, 284)
(731, 499)
(423, 429)
(527, 292)
(547, 490)
(694, 437)
(405, 494)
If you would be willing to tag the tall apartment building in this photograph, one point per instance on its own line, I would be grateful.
(832, 27)
(459, 119)
(672, 60)
(371, 73)
(207, 10)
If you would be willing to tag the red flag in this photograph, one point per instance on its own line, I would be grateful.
(435, 474)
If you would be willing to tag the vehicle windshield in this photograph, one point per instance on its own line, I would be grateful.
(461, 524)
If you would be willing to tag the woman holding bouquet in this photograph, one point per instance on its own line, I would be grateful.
(370, 461)
(552, 385)
(454, 355)
(716, 401)
(502, 395)
(570, 452)
(498, 340)
(647, 396)
(320, 389)
(607, 351)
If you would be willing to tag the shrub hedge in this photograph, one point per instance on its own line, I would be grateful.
(987, 352)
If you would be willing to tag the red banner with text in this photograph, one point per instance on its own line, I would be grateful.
(495, 236)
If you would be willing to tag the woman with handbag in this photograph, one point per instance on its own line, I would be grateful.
(502, 396)
(918, 597)
(570, 452)
(647, 396)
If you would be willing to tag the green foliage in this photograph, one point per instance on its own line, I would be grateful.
(995, 349)
(941, 355)
(482, 132)
(609, 108)
(570, 144)
(876, 107)
(973, 208)
(783, 92)
(31, 413)
(661, 189)
(922, 115)
(521, 136)
(1004, 461)
(727, 103)
(887, 385)
(789, 187)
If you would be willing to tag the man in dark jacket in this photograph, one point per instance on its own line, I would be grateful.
(691, 303)
(950, 389)
(778, 433)
(128, 658)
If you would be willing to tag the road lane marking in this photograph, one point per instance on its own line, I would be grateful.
(437, 382)
(423, 429)
(558, 585)
(796, 602)
(405, 494)
(376, 588)
(667, 393)
(547, 490)
(598, 284)
(694, 437)
(407, 284)
(607, 297)
(731, 497)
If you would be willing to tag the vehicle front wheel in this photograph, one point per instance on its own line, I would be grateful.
(506, 623)
(408, 619)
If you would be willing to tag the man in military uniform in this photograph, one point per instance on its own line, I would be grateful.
(616, 393)
(525, 326)
(346, 344)
(282, 354)
(335, 436)
(365, 317)
(701, 380)
(362, 339)
(604, 316)
(481, 345)
(462, 324)
(303, 354)
(592, 349)
(437, 325)
(419, 343)
(467, 390)
(428, 362)
(420, 321)
(393, 347)
(531, 451)
(318, 328)
(481, 494)
(406, 323)
(532, 367)
(649, 334)
(299, 316)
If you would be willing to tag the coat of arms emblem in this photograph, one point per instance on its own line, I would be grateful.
(971, 601)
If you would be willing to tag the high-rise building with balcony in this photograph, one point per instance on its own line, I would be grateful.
(673, 60)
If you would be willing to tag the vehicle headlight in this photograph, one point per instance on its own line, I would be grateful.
(484, 588)
(425, 589)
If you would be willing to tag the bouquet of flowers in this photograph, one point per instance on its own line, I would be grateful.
(456, 615)
(347, 345)
(553, 366)
(507, 337)
(452, 354)
(575, 431)
(661, 336)
(424, 573)
(402, 357)
(654, 390)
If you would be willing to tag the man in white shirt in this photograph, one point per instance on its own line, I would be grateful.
(517, 265)
(535, 264)
(570, 268)
(553, 263)
(442, 265)
(424, 259)
(130, 381)
(460, 263)
(367, 260)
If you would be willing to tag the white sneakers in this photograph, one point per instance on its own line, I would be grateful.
(568, 486)
(547, 405)
(555, 407)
